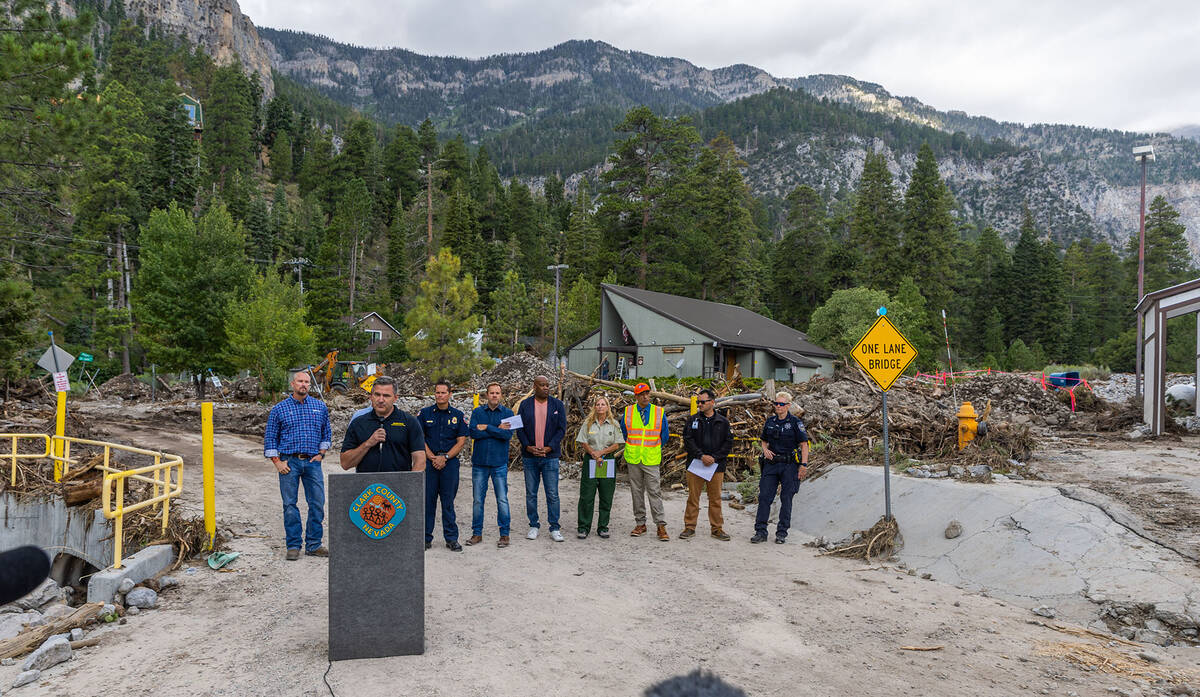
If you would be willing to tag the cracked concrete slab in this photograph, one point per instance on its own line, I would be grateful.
(1028, 544)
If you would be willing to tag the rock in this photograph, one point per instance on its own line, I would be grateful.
(127, 585)
(133, 610)
(981, 472)
(1182, 689)
(54, 651)
(1183, 394)
(1175, 614)
(1190, 632)
(108, 609)
(27, 677)
(927, 576)
(1151, 657)
(44, 594)
(1151, 636)
(953, 530)
(957, 471)
(1126, 633)
(1045, 611)
(143, 598)
(1155, 625)
(56, 610)
(8, 661)
(10, 625)
(77, 634)
(1135, 434)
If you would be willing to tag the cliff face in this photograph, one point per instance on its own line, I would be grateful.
(217, 26)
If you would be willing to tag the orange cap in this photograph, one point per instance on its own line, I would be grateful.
(640, 388)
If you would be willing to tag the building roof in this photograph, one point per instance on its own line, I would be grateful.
(794, 358)
(1166, 293)
(381, 319)
(590, 334)
(727, 324)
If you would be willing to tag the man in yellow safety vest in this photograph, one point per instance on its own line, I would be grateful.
(645, 429)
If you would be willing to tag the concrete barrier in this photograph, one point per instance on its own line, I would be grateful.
(50, 524)
(102, 587)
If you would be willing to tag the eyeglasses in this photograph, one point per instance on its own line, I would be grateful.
(783, 404)
(702, 401)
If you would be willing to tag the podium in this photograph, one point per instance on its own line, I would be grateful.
(376, 564)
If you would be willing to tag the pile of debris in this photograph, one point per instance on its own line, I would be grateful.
(408, 380)
(248, 389)
(516, 372)
(1014, 395)
(126, 387)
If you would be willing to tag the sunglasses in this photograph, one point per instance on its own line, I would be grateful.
(702, 401)
(783, 404)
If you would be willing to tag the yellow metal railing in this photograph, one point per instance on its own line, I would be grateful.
(165, 476)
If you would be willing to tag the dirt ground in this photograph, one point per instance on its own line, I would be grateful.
(582, 617)
(1158, 481)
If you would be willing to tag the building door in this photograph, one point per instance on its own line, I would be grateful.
(730, 363)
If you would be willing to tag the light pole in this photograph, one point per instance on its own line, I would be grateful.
(1144, 153)
(557, 269)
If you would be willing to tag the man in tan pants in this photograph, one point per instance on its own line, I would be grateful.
(645, 429)
(707, 439)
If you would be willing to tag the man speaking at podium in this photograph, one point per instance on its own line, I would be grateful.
(385, 439)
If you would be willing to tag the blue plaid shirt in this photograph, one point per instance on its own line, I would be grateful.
(297, 427)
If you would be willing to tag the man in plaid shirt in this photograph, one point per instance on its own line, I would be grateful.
(298, 434)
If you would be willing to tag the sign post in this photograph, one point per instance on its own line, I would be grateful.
(884, 354)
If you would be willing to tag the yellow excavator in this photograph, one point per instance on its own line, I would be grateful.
(332, 375)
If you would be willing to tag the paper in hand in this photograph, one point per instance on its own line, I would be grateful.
(603, 469)
(705, 472)
(514, 422)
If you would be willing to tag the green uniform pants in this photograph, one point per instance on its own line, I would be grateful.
(587, 500)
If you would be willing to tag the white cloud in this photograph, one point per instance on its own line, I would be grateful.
(1108, 64)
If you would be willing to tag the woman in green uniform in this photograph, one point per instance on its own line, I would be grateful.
(601, 438)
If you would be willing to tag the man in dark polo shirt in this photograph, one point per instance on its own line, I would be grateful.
(385, 439)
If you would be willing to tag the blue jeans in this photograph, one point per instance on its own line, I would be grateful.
(479, 481)
(310, 473)
(441, 484)
(544, 469)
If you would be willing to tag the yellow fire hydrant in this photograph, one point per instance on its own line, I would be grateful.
(968, 425)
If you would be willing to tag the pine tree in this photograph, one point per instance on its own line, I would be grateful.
(511, 309)
(405, 246)
(442, 320)
(990, 268)
(1167, 260)
(281, 158)
(799, 276)
(401, 166)
(930, 233)
(645, 185)
(229, 122)
(174, 166)
(460, 235)
(1024, 277)
(279, 120)
(456, 164)
(354, 221)
(315, 167)
(580, 312)
(584, 249)
(18, 311)
(725, 228)
(875, 225)
(279, 223)
(260, 241)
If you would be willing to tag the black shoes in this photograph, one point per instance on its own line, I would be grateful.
(428, 546)
(778, 540)
(453, 546)
(758, 537)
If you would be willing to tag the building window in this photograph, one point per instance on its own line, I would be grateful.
(375, 334)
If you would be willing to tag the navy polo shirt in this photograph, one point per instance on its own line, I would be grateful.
(404, 437)
(443, 428)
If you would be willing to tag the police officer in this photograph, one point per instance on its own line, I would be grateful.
(782, 435)
(445, 436)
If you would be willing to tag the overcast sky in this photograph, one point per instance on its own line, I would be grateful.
(1128, 65)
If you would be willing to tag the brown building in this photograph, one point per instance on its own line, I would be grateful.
(381, 331)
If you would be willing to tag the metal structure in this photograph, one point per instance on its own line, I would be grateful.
(1144, 153)
(1153, 312)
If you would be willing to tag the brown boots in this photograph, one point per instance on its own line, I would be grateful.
(638, 531)
(662, 534)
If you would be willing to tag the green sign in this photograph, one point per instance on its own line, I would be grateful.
(85, 358)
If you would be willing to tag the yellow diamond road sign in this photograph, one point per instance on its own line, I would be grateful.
(884, 353)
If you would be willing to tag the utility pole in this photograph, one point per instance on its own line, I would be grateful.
(1143, 153)
(557, 269)
(297, 265)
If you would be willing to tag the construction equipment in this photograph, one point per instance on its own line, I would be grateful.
(340, 376)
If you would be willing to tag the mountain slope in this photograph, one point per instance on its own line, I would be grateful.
(552, 111)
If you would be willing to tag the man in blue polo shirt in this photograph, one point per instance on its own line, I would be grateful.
(445, 437)
(386, 439)
(297, 435)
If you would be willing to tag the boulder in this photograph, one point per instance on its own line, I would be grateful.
(27, 677)
(1182, 394)
(11, 625)
(143, 598)
(54, 651)
(126, 585)
(44, 594)
(953, 530)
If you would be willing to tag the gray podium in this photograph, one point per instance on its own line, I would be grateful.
(376, 564)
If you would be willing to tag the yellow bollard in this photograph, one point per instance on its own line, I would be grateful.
(475, 400)
(206, 452)
(60, 429)
(695, 407)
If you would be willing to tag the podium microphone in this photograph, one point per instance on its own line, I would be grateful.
(22, 570)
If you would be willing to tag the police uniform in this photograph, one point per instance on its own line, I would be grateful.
(783, 437)
(443, 428)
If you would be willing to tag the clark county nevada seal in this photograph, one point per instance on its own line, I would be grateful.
(377, 511)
